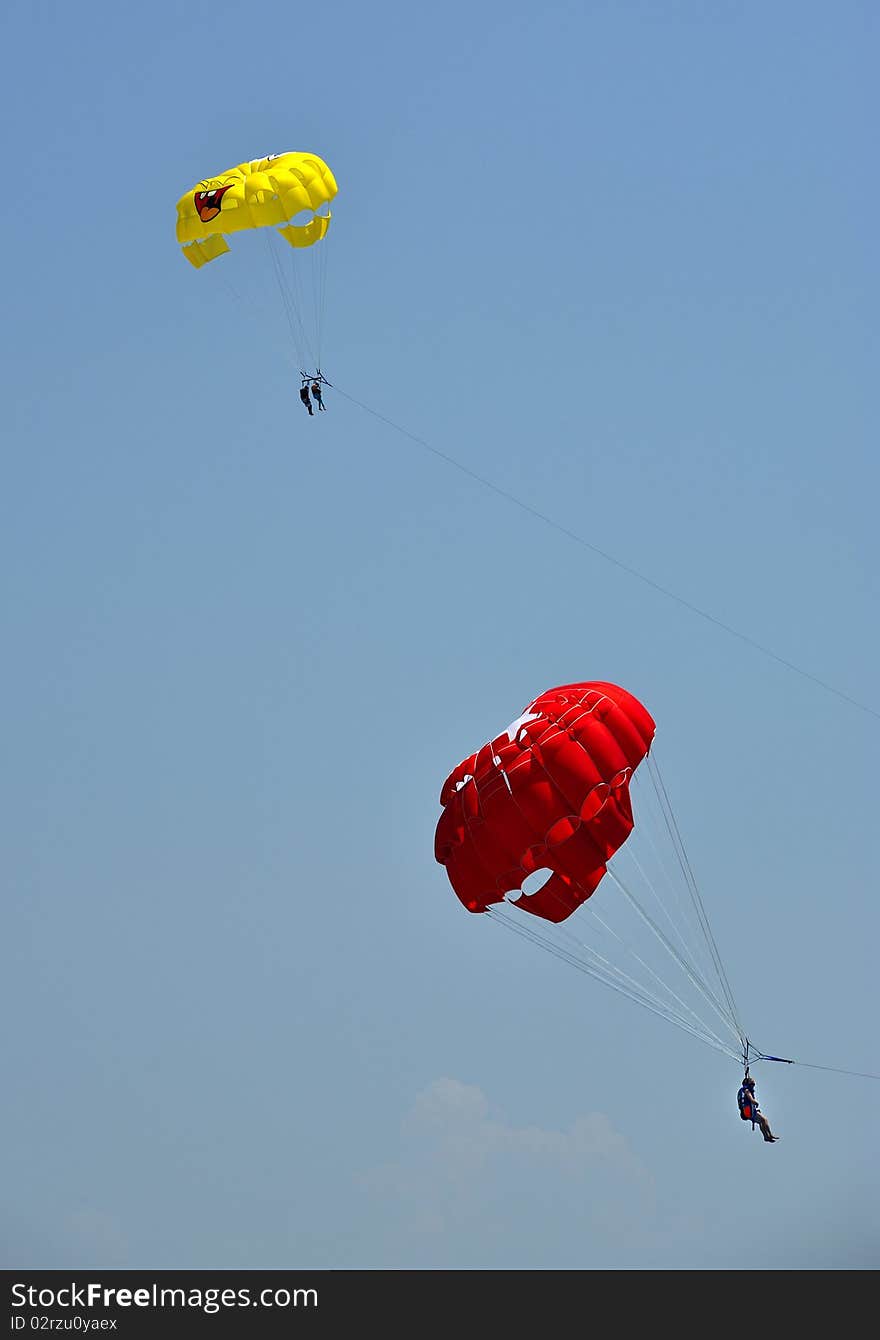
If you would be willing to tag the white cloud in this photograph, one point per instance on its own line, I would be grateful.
(467, 1182)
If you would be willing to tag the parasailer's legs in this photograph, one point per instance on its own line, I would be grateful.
(765, 1128)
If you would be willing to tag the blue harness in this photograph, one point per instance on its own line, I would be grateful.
(748, 1107)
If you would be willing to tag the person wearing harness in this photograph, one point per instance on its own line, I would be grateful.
(749, 1110)
(304, 397)
(316, 395)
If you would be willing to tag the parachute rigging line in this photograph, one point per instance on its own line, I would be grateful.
(752, 1053)
(610, 558)
(293, 307)
(693, 889)
(635, 994)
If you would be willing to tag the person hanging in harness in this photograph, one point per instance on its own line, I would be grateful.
(304, 397)
(316, 395)
(749, 1110)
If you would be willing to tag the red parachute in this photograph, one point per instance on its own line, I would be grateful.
(551, 792)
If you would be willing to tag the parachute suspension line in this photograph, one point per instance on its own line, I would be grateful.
(294, 324)
(650, 838)
(613, 968)
(615, 562)
(319, 275)
(628, 853)
(285, 297)
(690, 880)
(644, 841)
(323, 264)
(297, 262)
(323, 261)
(636, 995)
(309, 278)
(698, 1023)
(691, 972)
(294, 320)
(316, 308)
(612, 977)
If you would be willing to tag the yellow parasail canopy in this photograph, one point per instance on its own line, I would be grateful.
(267, 192)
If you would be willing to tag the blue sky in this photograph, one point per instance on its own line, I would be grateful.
(618, 259)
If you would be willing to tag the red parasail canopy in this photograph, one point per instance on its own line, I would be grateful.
(551, 792)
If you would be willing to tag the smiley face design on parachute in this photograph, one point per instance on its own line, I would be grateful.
(288, 192)
(208, 202)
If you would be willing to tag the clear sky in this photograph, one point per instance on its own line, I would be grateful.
(620, 259)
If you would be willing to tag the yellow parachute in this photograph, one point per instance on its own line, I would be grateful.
(287, 195)
(267, 192)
